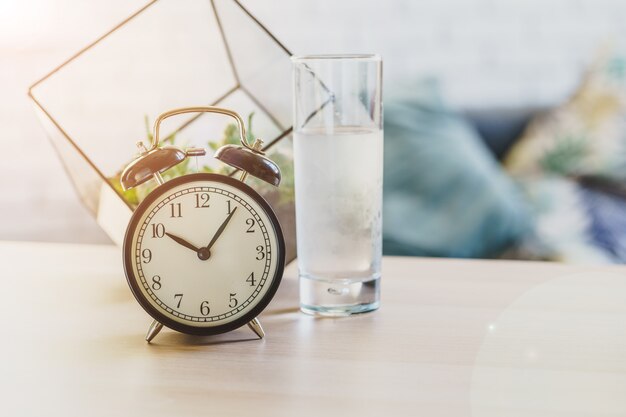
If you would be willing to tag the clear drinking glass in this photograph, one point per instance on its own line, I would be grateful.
(338, 161)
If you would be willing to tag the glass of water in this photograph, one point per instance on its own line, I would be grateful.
(338, 161)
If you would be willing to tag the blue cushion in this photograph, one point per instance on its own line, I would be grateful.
(444, 193)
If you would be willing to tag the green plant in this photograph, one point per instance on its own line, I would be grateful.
(284, 193)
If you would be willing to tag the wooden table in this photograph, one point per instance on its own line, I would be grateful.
(452, 338)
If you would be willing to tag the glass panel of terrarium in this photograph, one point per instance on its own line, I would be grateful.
(261, 62)
(169, 55)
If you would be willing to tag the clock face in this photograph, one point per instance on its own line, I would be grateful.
(204, 254)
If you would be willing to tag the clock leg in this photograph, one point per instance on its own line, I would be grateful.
(154, 329)
(255, 326)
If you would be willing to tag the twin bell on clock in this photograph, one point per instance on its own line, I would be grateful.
(203, 253)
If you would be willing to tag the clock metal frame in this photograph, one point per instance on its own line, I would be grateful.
(154, 312)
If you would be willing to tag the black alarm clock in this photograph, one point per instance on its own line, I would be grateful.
(203, 253)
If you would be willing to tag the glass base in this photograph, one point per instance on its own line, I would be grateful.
(341, 297)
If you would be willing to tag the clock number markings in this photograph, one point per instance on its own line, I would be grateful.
(180, 299)
(156, 282)
(146, 256)
(250, 279)
(175, 210)
(233, 301)
(260, 253)
(202, 200)
(204, 308)
(158, 230)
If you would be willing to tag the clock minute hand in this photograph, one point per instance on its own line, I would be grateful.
(221, 229)
(182, 241)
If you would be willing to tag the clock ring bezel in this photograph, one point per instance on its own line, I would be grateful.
(133, 282)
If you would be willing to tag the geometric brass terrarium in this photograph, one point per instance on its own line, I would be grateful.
(169, 54)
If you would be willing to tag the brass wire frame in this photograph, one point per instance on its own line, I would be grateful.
(285, 131)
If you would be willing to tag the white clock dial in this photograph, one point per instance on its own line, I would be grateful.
(204, 253)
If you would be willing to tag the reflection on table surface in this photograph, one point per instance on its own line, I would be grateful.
(559, 348)
(452, 338)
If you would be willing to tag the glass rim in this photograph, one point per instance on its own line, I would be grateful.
(336, 57)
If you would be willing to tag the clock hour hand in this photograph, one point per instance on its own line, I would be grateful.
(221, 229)
(182, 241)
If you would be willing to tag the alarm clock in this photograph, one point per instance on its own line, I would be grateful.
(203, 253)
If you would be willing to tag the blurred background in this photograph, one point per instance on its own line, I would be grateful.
(512, 110)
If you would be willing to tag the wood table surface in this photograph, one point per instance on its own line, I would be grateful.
(452, 338)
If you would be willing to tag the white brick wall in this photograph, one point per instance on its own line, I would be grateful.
(488, 53)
